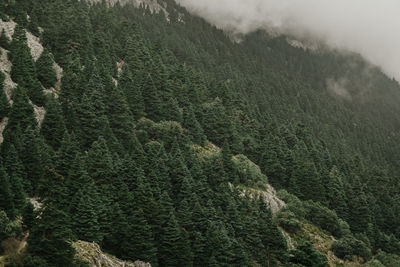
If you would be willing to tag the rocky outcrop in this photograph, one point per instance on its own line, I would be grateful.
(92, 253)
(8, 27)
(3, 125)
(153, 5)
(268, 195)
(34, 45)
(5, 67)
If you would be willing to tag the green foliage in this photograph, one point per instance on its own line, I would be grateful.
(119, 155)
(306, 255)
(4, 104)
(45, 71)
(323, 217)
(23, 69)
(53, 125)
(288, 221)
(4, 40)
(348, 246)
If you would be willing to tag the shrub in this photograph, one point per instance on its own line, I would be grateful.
(288, 221)
(349, 246)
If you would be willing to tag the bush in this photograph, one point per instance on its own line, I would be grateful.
(306, 255)
(294, 204)
(323, 217)
(288, 221)
(349, 246)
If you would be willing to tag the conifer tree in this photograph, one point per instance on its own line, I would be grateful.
(49, 238)
(4, 40)
(100, 164)
(191, 123)
(45, 71)
(23, 69)
(133, 92)
(6, 195)
(31, 157)
(21, 114)
(4, 104)
(151, 98)
(173, 245)
(120, 117)
(53, 126)
(144, 246)
(85, 221)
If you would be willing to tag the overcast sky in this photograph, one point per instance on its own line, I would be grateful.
(369, 27)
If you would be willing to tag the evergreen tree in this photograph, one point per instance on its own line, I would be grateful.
(144, 246)
(53, 126)
(100, 164)
(21, 114)
(85, 221)
(4, 40)
(23, 69)
(191, 123)
(45, 71)
(6, 195)
(49, 238)
(174, 245)
(133, 92)
(4, 104)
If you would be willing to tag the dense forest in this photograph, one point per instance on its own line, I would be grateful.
(160, 124)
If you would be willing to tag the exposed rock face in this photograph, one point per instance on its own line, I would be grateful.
(92, 253)
(153, 5)
(268, 195)
(8, 27)
(3, 125)
(5, 67)
(35, 202)
(39, 114)
(34, 45)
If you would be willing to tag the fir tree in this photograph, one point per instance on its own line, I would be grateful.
(23, 69)
(6, 195)
(49, 238)
(53, 126)
(45, 71)
(144, 246)
(4, 104)
(4, 40)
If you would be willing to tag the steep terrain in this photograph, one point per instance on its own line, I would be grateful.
(138, 134)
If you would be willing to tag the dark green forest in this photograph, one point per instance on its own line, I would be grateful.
(148, 144)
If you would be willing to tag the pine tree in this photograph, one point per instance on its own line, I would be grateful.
(133, 92)
(337, 200)
(144, 246)
(173, 245)
(19, 196)
(191, 123)
(4, 104)
(120, 117)
(21, 114)
(49, 238)
(53, 126)
(85, 222)
(45, 71)
(151, 98)
(23, 69)
(6, 195)
(100, 164)
(31, 157)
(66, 154)
(4, 40)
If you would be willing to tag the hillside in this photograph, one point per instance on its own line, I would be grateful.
(138, 130)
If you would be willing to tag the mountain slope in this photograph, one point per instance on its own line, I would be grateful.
(159, 125)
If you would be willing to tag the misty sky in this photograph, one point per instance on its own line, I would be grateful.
(369, 27)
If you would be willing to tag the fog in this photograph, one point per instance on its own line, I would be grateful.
(368, 27)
